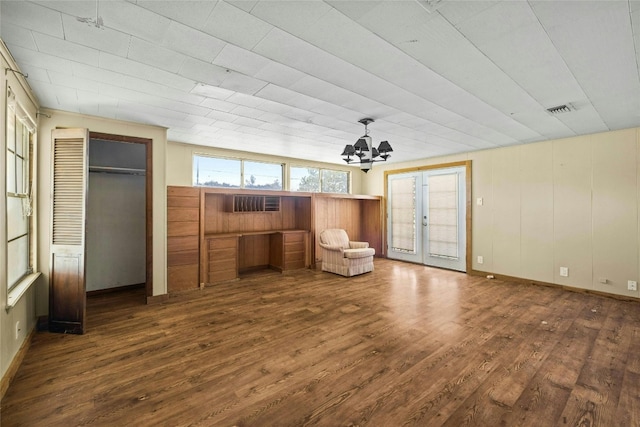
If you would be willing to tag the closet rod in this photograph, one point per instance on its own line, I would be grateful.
(121, 171)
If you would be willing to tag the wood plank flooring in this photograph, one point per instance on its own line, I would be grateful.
(404, 345)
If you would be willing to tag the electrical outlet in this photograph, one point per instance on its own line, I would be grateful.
(632, 285)
(564, 271)
(480, 259)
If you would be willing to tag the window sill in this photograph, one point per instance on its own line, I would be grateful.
(20, 289)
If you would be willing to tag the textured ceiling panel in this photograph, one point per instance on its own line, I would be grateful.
(191, 42)
(292, 78)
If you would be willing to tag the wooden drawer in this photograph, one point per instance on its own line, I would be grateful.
(221, 259)
(294, 238)
(222, 243)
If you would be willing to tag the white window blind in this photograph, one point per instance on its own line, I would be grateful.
(403, 215)
(443, 215)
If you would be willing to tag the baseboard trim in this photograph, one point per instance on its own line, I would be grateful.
(506, 278)
(115, 289)
(15, 364)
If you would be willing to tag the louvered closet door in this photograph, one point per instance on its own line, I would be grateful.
(67, 295)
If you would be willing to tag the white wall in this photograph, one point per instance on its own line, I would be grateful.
(180, 164)
(571, 202)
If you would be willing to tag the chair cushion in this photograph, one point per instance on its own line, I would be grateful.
(335, 237)
(359, 253)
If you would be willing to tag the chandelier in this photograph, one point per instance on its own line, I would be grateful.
(364, 152)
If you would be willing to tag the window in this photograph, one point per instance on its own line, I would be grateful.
(319, 180)
(216, 172)
(334, 181)
(235, 173)
(262, 176)
(19, 221)
(304, 179)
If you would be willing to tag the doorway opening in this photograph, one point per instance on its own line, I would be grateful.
(119, 214)
(429, 215)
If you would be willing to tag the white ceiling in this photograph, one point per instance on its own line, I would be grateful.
(292, 78)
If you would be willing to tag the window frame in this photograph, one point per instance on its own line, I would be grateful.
(242, 172)
(25, 194)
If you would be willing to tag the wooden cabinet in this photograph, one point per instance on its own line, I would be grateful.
(289, 250)
(230, 255)
(217, 234)
(221, 258)
(295, 250)
(183, 238)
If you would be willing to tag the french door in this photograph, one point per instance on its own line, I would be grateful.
(427, 217)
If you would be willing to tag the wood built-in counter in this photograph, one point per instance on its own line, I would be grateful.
(217, 234)
(228, 255)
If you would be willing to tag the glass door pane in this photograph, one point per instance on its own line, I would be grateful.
(444, 218)
(404, 205)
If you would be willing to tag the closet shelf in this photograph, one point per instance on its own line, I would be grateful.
(122, 171)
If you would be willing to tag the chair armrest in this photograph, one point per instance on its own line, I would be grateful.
(331, 247)
(358, 245)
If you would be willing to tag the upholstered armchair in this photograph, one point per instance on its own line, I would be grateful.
(341, 256)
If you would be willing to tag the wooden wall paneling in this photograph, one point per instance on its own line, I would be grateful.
(182, 228)
(360, 216)
(253, 251)
(276, 251)
(234, 222)
(302, 208)
(371, 224)
(260, 221)
(288, 209)
(183, 238)
(214, 219)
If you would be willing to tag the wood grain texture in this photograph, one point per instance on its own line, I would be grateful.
(403, 345)
(360, 216)
(183, 238)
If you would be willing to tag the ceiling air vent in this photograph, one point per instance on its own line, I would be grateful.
(560, 109)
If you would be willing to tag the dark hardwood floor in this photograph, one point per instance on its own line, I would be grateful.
(404, 345)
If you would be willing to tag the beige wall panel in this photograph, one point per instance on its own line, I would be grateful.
(505, 224)
(615, 211)
(482, 216)
(536, 211)
(572, 211)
